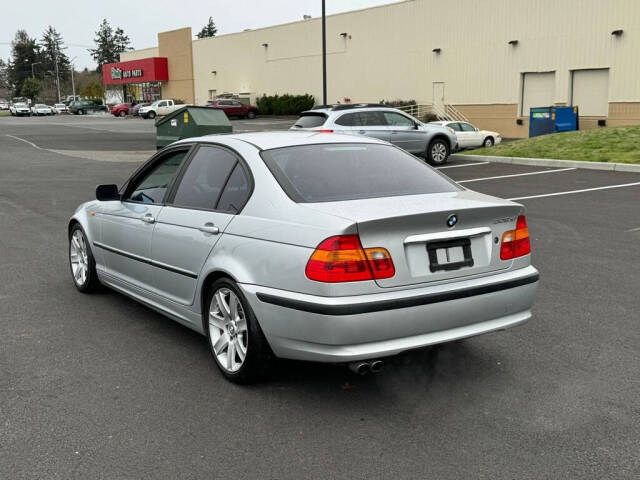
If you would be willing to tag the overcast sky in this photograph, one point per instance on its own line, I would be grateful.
(77, 20)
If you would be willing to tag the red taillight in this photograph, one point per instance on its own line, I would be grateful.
(324, 131)
(515, 243)
(342, 259)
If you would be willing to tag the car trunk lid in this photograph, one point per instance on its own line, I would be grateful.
(432, 237)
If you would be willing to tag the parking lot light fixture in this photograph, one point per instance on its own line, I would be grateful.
(437, 51)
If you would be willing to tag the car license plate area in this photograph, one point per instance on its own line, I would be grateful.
(449, 255)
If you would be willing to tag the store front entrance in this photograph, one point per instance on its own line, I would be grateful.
(143, 92)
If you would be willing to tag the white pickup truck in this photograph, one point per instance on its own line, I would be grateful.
(159, 107)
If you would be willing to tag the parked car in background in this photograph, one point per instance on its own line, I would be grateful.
(470, 136)
(159, 108)
(234, 108)
(40, 109)
(60, 108)
(4, 104)
(71, 98)
(20, 110)
(121, 110)
(328, 248)
(135, 111)
(82, 107)
(433, 142)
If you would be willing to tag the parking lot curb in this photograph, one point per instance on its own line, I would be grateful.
(548, 162)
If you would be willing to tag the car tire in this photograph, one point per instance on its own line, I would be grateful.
(437, 152)
(80, 112)
(488, 142)
(251, 115)
(81, 261)
(151, 115)
(122, 114)
(238, 334)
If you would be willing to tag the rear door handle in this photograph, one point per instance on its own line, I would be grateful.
(148, 218)
(362, 132)
(209, 228)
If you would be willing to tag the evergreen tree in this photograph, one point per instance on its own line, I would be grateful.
(4, 75)
(24, 54)
(109, 44)
(209, 30)
(53, 48)
(31, 87)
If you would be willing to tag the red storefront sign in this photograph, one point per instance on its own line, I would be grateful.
(153, 69)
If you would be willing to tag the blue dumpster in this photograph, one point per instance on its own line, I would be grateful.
(544, 120)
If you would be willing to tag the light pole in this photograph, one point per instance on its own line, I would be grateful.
(73, 85)
(324, 54)
(57, 74)
(33, 75)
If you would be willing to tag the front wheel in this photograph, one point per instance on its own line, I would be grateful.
(81, 261)
(236, 341)
(488, 142)
(437, 152)
(122, 114)
(80, 112)
(251, 115)
(151, 115)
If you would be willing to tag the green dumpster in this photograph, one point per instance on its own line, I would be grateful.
(190, 121)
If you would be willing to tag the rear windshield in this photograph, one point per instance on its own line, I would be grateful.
(335, 172)
(310, 120)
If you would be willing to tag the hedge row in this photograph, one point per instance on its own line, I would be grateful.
(284, 104)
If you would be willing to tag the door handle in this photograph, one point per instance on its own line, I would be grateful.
(362, 132)
(148, 218)
(209, 228)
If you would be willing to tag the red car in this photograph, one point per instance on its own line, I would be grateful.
(121, 110)
(233, 108)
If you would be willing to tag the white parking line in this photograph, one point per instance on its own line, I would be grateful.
(464, 165)
(634, 230)
(516, 175)
(25, 141)
(577, 191)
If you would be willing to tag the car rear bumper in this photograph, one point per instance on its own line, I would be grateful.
(344, 329)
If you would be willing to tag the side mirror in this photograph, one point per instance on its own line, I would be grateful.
(107, 192)
(416, 126)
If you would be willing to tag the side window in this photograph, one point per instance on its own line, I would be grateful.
(455, 127)
(236, 191)
(467, 127)
(152, 187)
(348, 120)
(397, 120)
(204, 178)
(372, 119)
(162, 104)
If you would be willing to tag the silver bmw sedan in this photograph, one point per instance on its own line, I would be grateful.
(309, 246)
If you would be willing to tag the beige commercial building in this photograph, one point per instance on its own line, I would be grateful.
(490, 59)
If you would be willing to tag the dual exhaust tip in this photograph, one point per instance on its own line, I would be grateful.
(365, 366)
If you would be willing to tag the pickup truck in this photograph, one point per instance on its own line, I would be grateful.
(159, 107)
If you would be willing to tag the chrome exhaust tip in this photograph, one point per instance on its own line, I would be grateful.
(375, 366)
(361, 368)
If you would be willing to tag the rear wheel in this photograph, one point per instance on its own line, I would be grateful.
(488, 142)
(236, 341)
(81, 261)
(80, 112)
(251, 115)
(437, 152)
(122, 113)
(151, 115)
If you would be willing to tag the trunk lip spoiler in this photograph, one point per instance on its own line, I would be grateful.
(430, 237)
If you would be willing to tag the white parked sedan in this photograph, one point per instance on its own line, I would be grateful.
(60, 108)
(42, 109)
(470, 136)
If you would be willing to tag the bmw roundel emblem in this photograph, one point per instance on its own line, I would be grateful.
(452, 220)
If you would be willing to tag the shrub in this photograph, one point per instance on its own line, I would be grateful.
(284, 104)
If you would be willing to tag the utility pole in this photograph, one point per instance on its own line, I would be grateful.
(57, 73)
(33, 75)
(324, 54)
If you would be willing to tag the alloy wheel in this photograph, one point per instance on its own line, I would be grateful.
(488, 142)
(438, 152)
(228, 330)
(79, 258)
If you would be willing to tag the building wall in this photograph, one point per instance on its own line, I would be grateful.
(138, 54)
(176, 45)
(387, 54)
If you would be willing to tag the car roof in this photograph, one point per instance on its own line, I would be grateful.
(287, 138)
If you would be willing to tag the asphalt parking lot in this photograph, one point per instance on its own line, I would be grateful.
(98, 386)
